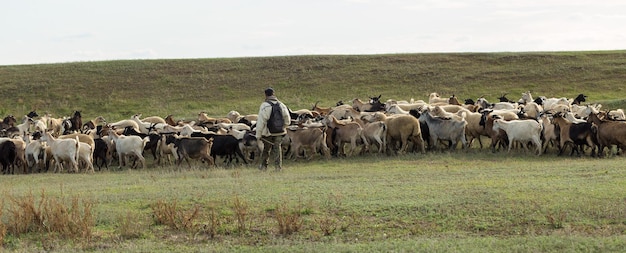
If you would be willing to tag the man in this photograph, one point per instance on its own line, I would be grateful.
(271, 141)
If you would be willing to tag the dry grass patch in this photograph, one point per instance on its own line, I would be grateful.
(69, 218)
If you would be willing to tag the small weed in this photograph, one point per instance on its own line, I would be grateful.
(327, 224)
(129, 226)
(556, 219)
(241, 214)
(171, 215)
(289, 219)
(3, 227)
(211, 228)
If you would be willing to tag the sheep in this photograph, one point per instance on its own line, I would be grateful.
(521, 130)
(63, 150)
(127, 146)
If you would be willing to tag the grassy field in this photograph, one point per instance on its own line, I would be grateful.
(444, 202)
(463, 201)
(119, 89)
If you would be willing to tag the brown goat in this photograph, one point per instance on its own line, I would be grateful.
(608, 133)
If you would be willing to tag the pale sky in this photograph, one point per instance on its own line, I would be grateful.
(54, 31)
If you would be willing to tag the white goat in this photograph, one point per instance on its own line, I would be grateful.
(616, 114)
(85, 156)
(521, 130)
(434, 99)
(129, 146)
(63, 150)
(34, 149)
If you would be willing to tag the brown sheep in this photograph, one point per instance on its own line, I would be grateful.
(402, 128)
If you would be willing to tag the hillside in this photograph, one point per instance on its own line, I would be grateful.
(118, 89)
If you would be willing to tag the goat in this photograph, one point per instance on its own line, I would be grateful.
(192, 147)
(574, 133)
(313, 139)
(445, 129)
(92, 124)
(434, 98)
(8, 154)
(617, 114)
(373, 106)
(129, 146)
(346, 132)
(521, 130)
(608, 133)
(580, 98)
(53, 124)
(34, 151)
(63, 150)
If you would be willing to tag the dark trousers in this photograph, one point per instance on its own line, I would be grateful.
(272, 146)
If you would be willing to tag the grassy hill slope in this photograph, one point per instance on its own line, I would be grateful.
(118, 89)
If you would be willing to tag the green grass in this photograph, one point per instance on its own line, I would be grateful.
(119, 89)
(464, 201)
(434, 202)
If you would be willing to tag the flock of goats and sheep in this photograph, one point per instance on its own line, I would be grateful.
(535, 126)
